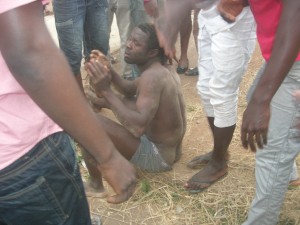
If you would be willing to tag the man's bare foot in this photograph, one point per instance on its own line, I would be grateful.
(94, 191)
(199, 161)
(206, 177)
(294, 183)
(230, 9)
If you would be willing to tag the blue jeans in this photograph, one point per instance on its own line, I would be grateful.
(81, 23)
(44, 187)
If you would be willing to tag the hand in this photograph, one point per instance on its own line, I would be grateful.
(255, 125)
(168, 24)
(297, 96)
(120, 175)
(230, 9)
(99, 75)
(151, 8)
(99, 56)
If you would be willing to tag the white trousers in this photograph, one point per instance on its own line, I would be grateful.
(274, 163)
(225, 50)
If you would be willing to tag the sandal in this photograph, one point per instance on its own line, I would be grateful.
(181, 70)
(192, 72)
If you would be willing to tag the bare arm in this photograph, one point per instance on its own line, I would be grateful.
(43, 72)
(169, 23)
(126, 87)
(135, 121)
(151, 8)
(286, 47)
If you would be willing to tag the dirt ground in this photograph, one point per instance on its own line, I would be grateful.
(160, 199)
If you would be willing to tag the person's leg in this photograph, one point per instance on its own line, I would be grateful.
(185, 33)
(274, 162)
(138, 13)
(206, 69)
(46, 183)
(194, 71)
(70, 32)
(96, 27)
(123, 140)
(196, 27)
(111, 10)
(231, 50)
(124, 25)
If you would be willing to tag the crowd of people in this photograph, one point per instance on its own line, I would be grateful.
(39, 175)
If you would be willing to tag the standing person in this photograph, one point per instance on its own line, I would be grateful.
(268, 125)
(225, 50)
(152, 8)
(81, 23)
(149, 136)
(185, 33)
(121, 9)
(39, 175)
(195, 29)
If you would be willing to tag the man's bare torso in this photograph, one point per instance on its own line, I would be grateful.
(167, 128)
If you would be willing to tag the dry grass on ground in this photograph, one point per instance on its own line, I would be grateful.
(160, 198)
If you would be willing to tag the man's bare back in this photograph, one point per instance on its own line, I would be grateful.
(167, 128)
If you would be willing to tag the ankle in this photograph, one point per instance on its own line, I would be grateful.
(96, 184)
(219, 164)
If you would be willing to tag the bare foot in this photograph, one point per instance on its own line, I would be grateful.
(294, 183)
(230, 9)
(96, 192)
(199, 161)
(206, 177)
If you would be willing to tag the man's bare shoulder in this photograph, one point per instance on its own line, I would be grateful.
(159, 70)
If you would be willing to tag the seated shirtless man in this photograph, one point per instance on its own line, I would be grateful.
(151, 110)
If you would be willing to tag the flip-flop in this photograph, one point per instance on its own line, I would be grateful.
(192, 72)
(198, 161)
(209, 184)
(181, 70)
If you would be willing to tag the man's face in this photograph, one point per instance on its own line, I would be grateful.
(136, 47)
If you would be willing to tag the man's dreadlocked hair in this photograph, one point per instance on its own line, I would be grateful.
(153, 43)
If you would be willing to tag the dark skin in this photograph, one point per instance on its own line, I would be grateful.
(45, 75)
(150, 98)
(285, 49)
(230, 9)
